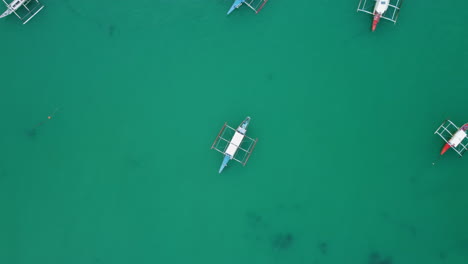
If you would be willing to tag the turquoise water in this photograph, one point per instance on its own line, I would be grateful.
(346, 169)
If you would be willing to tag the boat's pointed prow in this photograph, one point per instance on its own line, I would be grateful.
(236, 4)
(375, 22)
(245, 123)
(226, 159)
(232, 9)
(445, 148)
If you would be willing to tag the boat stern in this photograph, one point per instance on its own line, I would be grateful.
(375, 21)
(226, 159)
(445, 148)
(236, 4)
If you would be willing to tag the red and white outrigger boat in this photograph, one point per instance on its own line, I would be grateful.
(455, 138)
(386, 9)
(379, 9)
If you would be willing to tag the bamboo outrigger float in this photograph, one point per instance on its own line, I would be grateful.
(454, 137)
(386, 9)
(25, 10)
(255, 5)
(234, 144)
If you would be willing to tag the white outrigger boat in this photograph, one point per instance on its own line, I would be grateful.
(454, 137)
(386, 9)
(234, 144)
(25, 10)
(255, 5)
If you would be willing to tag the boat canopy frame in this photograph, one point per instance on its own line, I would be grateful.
(367, 6)
(223, 140)
(445, 132)
(25, 10)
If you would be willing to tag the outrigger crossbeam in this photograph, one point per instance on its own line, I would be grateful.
(25, 10)
(255, 5)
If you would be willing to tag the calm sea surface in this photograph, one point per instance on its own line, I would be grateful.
(346, 170)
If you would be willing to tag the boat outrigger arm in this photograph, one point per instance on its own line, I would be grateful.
(29, 7)
(234, 144)
(255, 5)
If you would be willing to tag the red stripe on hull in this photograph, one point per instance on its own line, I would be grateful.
(375, 21)
(445, 148)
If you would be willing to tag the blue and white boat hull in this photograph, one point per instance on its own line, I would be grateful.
(226, 159)
(235, 142)
(236, 4)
